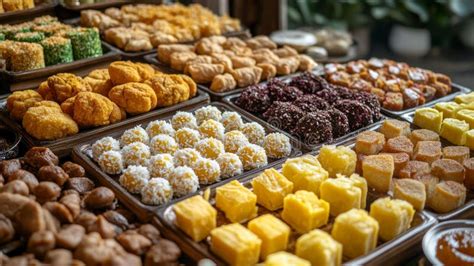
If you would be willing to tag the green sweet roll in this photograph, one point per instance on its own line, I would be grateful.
(29, 37)
(57, 50)
(44, 20)
(52, 28)
(2, 37)
(85, 43)
(11, 31)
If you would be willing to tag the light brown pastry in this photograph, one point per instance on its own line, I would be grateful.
(19, 102)
(138, 44)
(224, 60)
(204, 73)
(286, 51)
(65, 85)
(223, 82)
(247, 76)
(12, 5)
(28, 4)
(200, 59)
(260, 42)
(447, 196)
(207, 46)
(48, 123)
(233, 42)
(100, 81)
(268, 70)
(178, 60)
(45, 91)
(306, 63)
(171, 89)
(159, 38)
(134, 97)
(287, 65)
(122, 72)
(241, 61)
(165, 51)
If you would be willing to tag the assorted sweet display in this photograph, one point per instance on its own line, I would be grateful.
(312, 212)
(454, 121)
(397, 85)
(310, 108)
(228, 63)
(15, 5)
(65, 103)
(142, 27)
(45, 41)
(172, 159)
(55, 215)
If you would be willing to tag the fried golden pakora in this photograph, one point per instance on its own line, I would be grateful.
(45, 91)
(247, 76)
(204, 73)
(134, 97)
(19, 102)
(170, 89)
(166, 50)
(268, 70)
(224, 82)
(100, 81)
(122, 72)
(65, 85)
(178, 60)
(48, 123)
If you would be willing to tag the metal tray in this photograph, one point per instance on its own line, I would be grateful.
(96, 6)
(464, 212)
(304, 146)
(63, 146)
(45, 8)
(82, 155)
(13, 81)
(396, 250)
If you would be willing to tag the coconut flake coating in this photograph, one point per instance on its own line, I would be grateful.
(210, 147)
(371, 101)
(134, 178)
(162, 143)
(231, 121)
(277, 145)
(283, 115)
(136, 134)
(207, 171)
(309, 83)
(230, 165)
(359, 114)
(254, 99)
(252, 156)
(161, 165)
(207, 112)
(159, 127)
(187, 137)
(339, 122)
(314, 128)
(343, 92)
(233, 140)
(104, 144)
(212, 129)
(158, 191)
(184, 181)
(310, 103)
(254, 132)
(329, 95)
(136, 153)
(186, 157)
(111, 162)
(274, 88)
(288, 94)
(182, 120)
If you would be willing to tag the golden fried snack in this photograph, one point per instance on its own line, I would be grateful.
(159, 38)
(224, 60)
(207, 46)
(12, 5)
(265, 55)
(66, 85)
(170, 89)
(19, 102)
(287, 65)
(268, 70)
(45, 91)
(200, 59)
(100, 82)
(260, 42)
(48, 104)
(178, 60)
(166, 50)
(241, 61)
(204, 73)
(134, 97)
(286, 51)
(247, 76)
(191, 84)
(220, 40)
(48, 123)
(224, 82)
(306, 63)
(233, 42)
(122, 72)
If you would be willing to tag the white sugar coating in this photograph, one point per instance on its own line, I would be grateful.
(230, 165)
(182, 120)
(277, 145)
(233, 140)
(212, 129)
(207, 112)
(134, 178)
(104, 144)
(231, 121)
(186, 157)
(162, 143)
(111, 162)
(161, 165)
(136, 153)
(187, 137)
(159, 127)
(252, 156)
(184, 181)
(207, 170)
(254, 132)
(158, 191)
(136, 134)
(210, 147)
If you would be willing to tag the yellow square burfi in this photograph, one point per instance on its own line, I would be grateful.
(342, 194)
(283, 258)
(237, 202)
(454, 131)
(465, 98)
(272, 231)
(392, 128)
(369, 142)
(428, 118)
(196, 217)
(393, 215)
(304, 211)
(271, 188)
(235, 244)
(361, 183)
(448, 109)
(319, 248)
(337, 160)
(378, 171)
(305, 172)
(356, 231)
(470, 139)
(412, 191)
(466, 115)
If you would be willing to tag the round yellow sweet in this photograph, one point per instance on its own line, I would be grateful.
(162, 143)
(277, 145)
(182, 120)
(212, 129)
(233, 140)
(210, 147)
(252, 156)
(254, 132)
(187, 137)
(231, 121)
(207, 171)
(230, 165)
(186, 157)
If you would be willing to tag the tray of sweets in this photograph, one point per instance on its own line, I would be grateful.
(42, 7)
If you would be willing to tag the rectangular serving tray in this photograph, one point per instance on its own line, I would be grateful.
(45, 8)
(395, 251)
(82, 155)
(96, 6)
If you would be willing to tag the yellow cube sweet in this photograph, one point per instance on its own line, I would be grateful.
(271, 188)
(342, 194)
(235, 244)
(448, 109)
(393, 215)
(378, 171)
(392, 128)
(356, 231)
(369, 142)
(196, 217)
(237, 202)
(283, 258)
(466, 115)
(470, 139)
(412, 191)
(454, 131)
(361, 183)
(465, 98)
(337, 160)
(272, 231)
(305, 173)
(304, 211)
(428, 118)
(319, 248)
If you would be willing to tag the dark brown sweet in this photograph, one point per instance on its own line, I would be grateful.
(8, 167)
(359, 114)
(283, 115)
(73, 169)
(254, 99)
(162, 253)
(343, 92)
(339, 122)
(25, 176)
(371, 101)
(53, 173)
(80, 184)
(37, 157)
(310, 103)
(314, 128)
(288, 94)
(329, 95)
(100, 197)
(274, 87)
(309, 83)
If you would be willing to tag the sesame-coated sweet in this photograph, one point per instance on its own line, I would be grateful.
(111, 162)
(186, 157)
(233, 140)
(358, 113)
(207, 171)
(254, 132)
(104, 144)
(254, 99)
(310, 103)
(29, 37)
(277, 145)
(136, 134)
(274, 87)
(57, 50)
(210, 147)
(158, 191)
(26, 56)
(288, 94)
(212, 129)
(184, 119)
(252, 156)
(187, 137)
(159, 127)
(343, 92)
(231, 121)
(371, 101)
(329, 95)
(134, 178)
(162, 143)
(184, 181)
(314, 128)
(339, 122)
(136, 153)
(161, 165)
(230, 165)
(283, 115)
(309, 83)
(207, 112)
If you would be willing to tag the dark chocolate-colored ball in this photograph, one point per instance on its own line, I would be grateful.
(311, 103)
(359, 114)
(254, 99)
(309, 83)
(339, 122)
(314, 128)
(283, 115)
